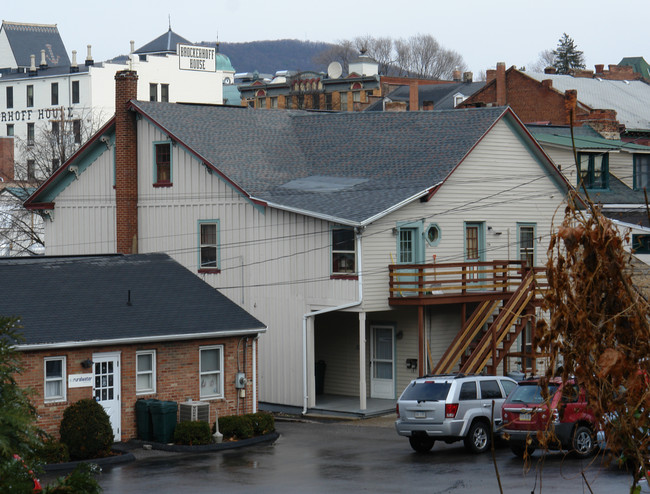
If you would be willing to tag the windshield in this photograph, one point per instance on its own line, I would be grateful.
(530, 394)
(426, 391)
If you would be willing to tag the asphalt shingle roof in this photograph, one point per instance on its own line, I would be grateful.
(79, 299)
(396, 155)
(165, 43)
(441, 95)
(29, 39)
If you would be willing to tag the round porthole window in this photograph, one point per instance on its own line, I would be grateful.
(433, 235)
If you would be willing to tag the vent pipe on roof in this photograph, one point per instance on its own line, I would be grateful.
(89, 57)
(132, 46)
(43, 64)
(73, 66)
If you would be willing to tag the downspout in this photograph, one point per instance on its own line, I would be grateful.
(324, 311)
(255, 374)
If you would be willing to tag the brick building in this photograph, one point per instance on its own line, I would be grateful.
(118, 328)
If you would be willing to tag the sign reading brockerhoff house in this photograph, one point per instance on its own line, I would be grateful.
(200, 58)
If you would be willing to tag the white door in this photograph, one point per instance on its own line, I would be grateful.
(382, 383)
(106, 387)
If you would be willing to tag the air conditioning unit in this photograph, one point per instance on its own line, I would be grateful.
(191, 411)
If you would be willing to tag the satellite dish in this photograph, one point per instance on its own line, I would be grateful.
(334, 70)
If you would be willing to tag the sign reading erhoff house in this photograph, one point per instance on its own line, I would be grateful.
(200, 58)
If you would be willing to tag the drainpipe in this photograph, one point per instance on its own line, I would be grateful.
(324, 311)
(255, 374)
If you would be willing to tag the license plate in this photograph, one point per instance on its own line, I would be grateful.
(524, 417)
(420, 415)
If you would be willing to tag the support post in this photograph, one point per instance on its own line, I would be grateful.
(362, 361)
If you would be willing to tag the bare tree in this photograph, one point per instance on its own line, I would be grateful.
(418, 56)
(546, 59)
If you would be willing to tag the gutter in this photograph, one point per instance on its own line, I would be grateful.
(146, 339)
(305, 394)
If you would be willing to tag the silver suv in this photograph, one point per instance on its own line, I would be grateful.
(451, 407)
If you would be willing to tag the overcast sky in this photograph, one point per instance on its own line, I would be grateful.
(483, 32)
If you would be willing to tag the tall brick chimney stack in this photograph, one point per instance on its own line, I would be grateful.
(501, 84)
(126, 163)
(414, 101)
(570, 104)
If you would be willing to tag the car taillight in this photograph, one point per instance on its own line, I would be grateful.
(450, 410)
(556, 417)
(397, 409)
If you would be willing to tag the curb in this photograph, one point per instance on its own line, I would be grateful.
(179, 448)
(123, 457)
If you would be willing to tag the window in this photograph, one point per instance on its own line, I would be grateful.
(472, 243)
(328, 101)
(458, 99)
(288, 103)
(315, 101)
(10, 130)
(210, 375)
(31, 169)
(344, 101)
(55, 164)
(527, 244)
(433, 235)
(163, 165)
(508, 386)
(343, 251)
(10, 97)
(490, 390)
(593, 170)
(30, 134)
(30, 96)
(641, 171)
(75, 91)
(208, 245)
(54, 93)
(261, 103)
(145, 372)
(274, 102)
(407, 245)
(356, 96)
(76, 130)
(164, 93)
(641, 244)
(54, 378)
(153, 92)
(467, 391)
(55, 128)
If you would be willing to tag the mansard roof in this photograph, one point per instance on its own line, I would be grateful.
(29, 39)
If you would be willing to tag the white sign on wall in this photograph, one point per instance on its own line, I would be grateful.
(80, 380)
(201, 58)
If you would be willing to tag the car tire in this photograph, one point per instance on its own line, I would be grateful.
(583, 443)
(478, 437)
(421, 444)
(520, 449)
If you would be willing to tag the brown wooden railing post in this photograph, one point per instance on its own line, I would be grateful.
(421, 282)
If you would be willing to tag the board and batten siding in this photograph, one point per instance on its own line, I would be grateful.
(275, 264)
(84, 217)
(499, 183)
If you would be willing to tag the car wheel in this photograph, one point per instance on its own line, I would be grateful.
(583, 442)
(478, 437)
(519, 449)
(421, 444)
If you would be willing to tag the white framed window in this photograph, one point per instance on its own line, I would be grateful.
(526, 234)
(145, 372)
(211, 371)
(208, 244)
(54, 373)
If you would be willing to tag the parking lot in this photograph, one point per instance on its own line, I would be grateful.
(357, 456)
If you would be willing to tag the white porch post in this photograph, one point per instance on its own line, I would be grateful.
(311, 382)
(362, 361)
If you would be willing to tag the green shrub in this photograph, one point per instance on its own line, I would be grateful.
(245, 426)
(192, 433)
(54, 452)
(86, 430)
(80, 480)
(263, 423)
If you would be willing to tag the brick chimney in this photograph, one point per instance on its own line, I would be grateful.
(570, 103)
(6, 159)
(456, 75)
(126, 163)
(414, 103)
(501, 84)
(550, 70)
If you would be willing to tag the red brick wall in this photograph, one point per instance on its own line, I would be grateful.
(126, 164)
(177, 379)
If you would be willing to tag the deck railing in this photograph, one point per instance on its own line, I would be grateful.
(459, 278)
